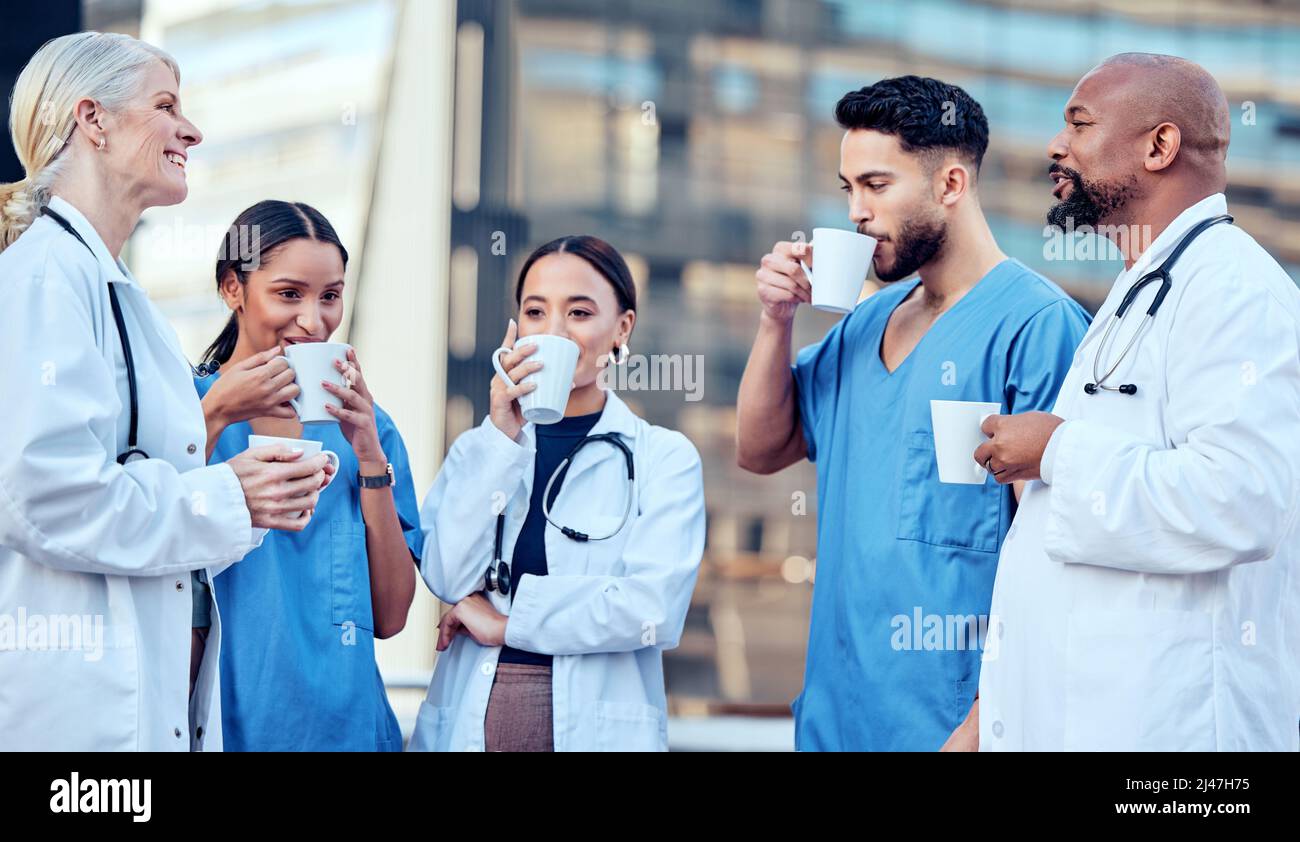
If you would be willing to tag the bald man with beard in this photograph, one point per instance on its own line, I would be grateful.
(1145, 597)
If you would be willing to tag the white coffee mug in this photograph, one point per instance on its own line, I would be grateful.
(308, 447)
(957, 434)
(313, 362)
(843, 260)
(559, 358)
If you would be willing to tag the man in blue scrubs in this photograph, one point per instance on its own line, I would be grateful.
(905, 563)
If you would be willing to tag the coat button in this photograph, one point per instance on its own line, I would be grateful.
(486, 669)
(180, 586)
(199, 732)
(997, 728)
(192, 449)
(177, 732)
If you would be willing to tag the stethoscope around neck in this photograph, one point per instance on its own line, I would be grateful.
(133, 451)
(1161, 275)
(498, 577)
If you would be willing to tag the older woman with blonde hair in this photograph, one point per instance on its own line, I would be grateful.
(110, 523)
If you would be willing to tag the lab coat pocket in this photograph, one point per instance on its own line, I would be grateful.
(942, 513)
(629, 726)
(1139, 681)
(350, 575)
(58, 681)
(432, 729)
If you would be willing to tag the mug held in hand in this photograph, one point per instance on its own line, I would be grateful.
(957, 435)
(559, 358)
(313, 362)
(843, 260)
(309, 449)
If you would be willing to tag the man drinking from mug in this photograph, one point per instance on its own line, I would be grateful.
(905, 562)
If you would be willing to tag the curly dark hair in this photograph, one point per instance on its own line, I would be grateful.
(929, 117)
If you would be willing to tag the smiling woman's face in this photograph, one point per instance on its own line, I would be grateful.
(565, 295)
(295, 295)
(147, 142)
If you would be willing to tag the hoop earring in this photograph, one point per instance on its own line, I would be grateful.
(102, 140)
(624, 353)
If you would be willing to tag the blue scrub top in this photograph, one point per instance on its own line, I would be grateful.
(298, 669)
(905, 563)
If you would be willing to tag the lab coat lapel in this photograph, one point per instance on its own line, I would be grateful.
(108, 267)
(1159, 249)
(616, 418)
(1152, 257)
(130, 294)
(1210, 206)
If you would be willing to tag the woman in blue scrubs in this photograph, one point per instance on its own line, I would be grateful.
(298, 668)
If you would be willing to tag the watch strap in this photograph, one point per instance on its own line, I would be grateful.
(381, 481)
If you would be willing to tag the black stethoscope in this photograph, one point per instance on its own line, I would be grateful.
(132, 451)
(1166, 282)
(497, 577)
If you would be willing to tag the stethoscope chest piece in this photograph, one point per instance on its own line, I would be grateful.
(497, 577)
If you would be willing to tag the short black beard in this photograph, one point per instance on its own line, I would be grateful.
(1089, 203)
(916, 244)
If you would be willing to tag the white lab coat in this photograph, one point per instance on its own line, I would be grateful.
(605, 611)
(86, 543)
(1146, 591)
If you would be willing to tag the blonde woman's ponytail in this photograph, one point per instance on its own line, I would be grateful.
(17, 210)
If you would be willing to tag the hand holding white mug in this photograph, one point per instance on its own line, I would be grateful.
(279, 484)
(306, 447)
(782, 282)
(504, 407)
(356, 416)
(260, 386)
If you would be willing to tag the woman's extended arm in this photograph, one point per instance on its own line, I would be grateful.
(392, 575)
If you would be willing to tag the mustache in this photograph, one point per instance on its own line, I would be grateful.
(1073, 175)
(877, 237)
